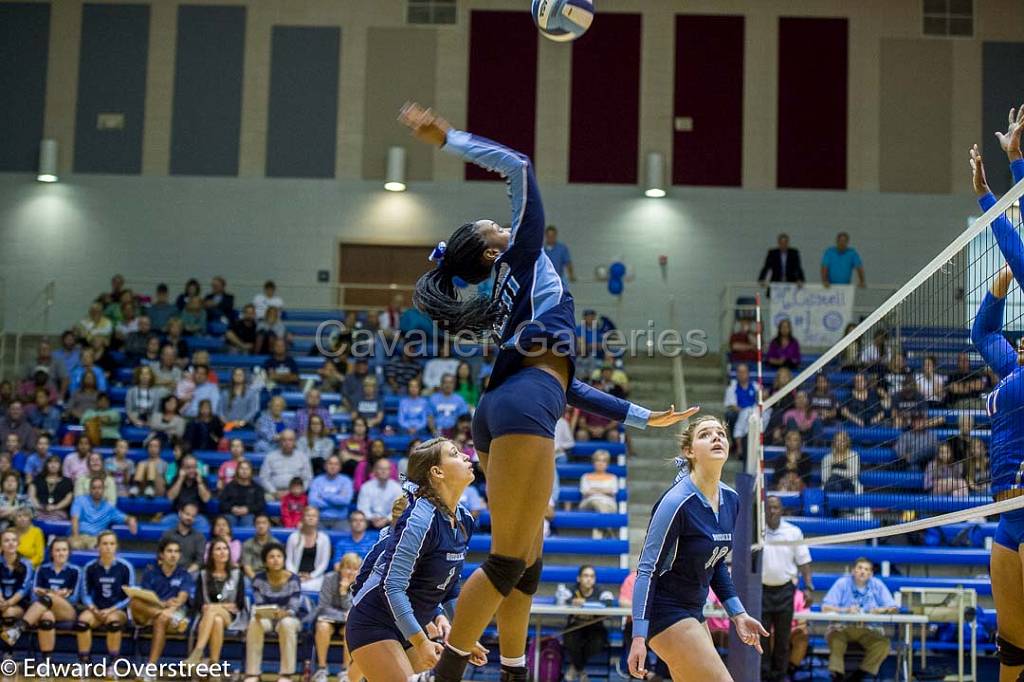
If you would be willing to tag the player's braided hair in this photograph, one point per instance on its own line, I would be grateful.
(423, 458)
(437, 296)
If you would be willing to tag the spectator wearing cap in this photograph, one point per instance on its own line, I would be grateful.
(558, 254)
(268, 298)
(219, 304)
(56, 371)
(14, 422)
(243, 333)
(839, 262)
(161, 310)
(781, 264)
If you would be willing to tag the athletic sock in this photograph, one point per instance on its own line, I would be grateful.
(451, 666)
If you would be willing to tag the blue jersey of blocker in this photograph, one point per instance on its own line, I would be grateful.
(102, 586)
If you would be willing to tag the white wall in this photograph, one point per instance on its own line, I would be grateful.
(85, 228)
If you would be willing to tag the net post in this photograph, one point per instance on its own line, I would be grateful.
(744, 663)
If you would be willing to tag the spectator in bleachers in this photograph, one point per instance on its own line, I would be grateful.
(966, 387)
(473, 501)
(161, 310)
(284, 464)
(192, 290)
(103, 597)
(359, 539)
(308, 551)
(193, 317)
(51, 493)
(293, 503)
(376, 497)
(598, 487)
(205, 431)
(331, 492)
(166, 425)
(128, 323)
(252, 549)
(740, 399)
(242, 498)
(188, 486)
(840, 468)
(14, 452)
(280, 366)
(312, 407)
(462, 436)
(415, 416)
(91, 514)
(76, 463)
(39, 381)
(14, 422)
(241, 336)
(792, 460)
(315, 443)
(415, 323)
(863, 407)
(219, 304)
(174, 586)
(930, 383)
(802, 417)
(122, 470)
(859, 592)
(565, 427)
(839, 262)
(352, 385)
(69, 354)
(175, 338)
(271, 425)
(743, 343)
(781, 264)
(144, 397)
(963, 441)
(586, 636)
(596, 427)
(167, 374)
(226, 471)
(200, 389)
(976, 470)
(364, 470)
(34, 462)
(401, 370)
(96, 469)
(45, 357)
(774, 415)
(784, 349)
(239, 401)
(389, 320)
(823, 399)
(220, 529)
(191, 541)
(11, 497)
(915, 447)
(267, 299)
(87, 365)
(277, 587)
(6, 395)
(219, 601)
(559, 255)
(59, 582)
(136, 343)
(466, 384)
(103, 359)
(332, 611)
(43, 415)
(150, 473)
(447, 405)
(94, 324)
(944, 475)
(437, 368)
(355, 447)
(270, 329)
(102, 420)
(113, 305)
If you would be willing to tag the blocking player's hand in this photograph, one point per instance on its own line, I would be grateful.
(670, 417)
(978, 180)
(1010, 140)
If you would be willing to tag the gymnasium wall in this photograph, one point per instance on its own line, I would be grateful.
(222, 94)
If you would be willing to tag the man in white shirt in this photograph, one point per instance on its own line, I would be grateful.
(377, 495)
(268, 299)
(779, 568)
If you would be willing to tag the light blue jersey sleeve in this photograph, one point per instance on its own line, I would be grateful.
(123, 604)
(411, 543)
(26, 585)
(84, 587)
(589, 399)
(527, 209)
(76, 591)
(662, 536)
(987, 336)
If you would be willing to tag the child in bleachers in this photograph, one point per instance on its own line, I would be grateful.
(150, 472)
(293, 502)
(102, 419)
(31, 543)
(122, 470)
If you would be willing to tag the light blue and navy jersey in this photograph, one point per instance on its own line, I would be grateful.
(417, 574)
(370, 559)
(102, 586)
(684, 553)
(1005, 404)
(168, 586)
(68, 578)
(16, 580)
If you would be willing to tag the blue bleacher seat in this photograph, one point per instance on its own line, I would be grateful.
(934, 556)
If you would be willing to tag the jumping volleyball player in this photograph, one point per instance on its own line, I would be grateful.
(688, 539)
(533, 318)
(1005, 405)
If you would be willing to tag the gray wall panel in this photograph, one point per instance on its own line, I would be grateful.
(24, 49)
(1002, 87)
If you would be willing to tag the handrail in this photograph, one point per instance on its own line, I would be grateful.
(47, 296)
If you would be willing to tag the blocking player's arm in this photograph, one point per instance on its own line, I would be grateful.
(987, 330)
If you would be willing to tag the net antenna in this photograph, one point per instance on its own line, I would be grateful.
(906, 387)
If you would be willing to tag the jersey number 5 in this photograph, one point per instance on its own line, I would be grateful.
(717, 554)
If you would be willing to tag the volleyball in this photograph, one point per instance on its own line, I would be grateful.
(563, 20)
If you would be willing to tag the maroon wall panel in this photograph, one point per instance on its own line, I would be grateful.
(604, 132)
(502, 82)
(709, 91)
(813, 57)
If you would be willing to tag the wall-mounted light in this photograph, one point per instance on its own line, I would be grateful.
(47, 161)
(655, 187)
(394, 179)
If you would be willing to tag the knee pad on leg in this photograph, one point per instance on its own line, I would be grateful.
(530, 580)
(114, 627)
(503, 572)
(81, 627)
(9, 621)
(47, 625)
(45, 600)
(1009, 654)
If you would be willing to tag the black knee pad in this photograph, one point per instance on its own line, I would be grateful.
(47, 625)
(530, 580)
(81, 627)
(10, 621)
(1009, 654)
(45, 600)
(114, 627)
(503, 572)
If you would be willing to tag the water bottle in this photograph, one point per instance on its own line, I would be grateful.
(562, 595)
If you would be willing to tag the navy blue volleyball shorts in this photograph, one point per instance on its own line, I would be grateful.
(1010, 531)
(530, 402)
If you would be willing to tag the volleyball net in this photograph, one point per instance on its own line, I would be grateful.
(886, 433)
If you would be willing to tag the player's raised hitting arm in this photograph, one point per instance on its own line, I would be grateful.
(987, 331)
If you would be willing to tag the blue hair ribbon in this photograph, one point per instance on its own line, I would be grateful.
(437, 255)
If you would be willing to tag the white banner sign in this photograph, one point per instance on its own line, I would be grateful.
(818, 315)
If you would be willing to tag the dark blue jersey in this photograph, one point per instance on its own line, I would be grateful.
(684, 553)
(417, 574)
(68, 578)
(370, 559)
(168, 586)
(16, 580)
(102, 586)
